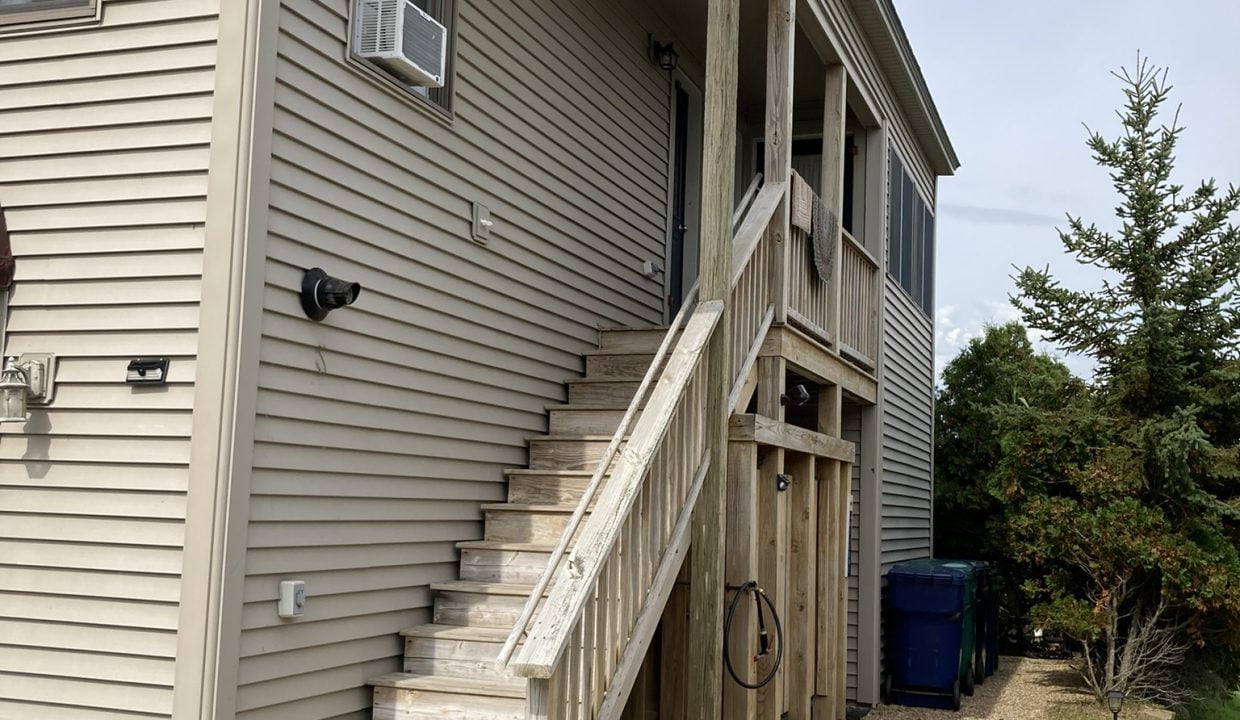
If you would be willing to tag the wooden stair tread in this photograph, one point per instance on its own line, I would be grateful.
(588, 380)
(523, 507)
(618, 351)
(487, 687)
(549, 471)
(476, 633)
(484, 588)
(579, 407)
(631, 328)
(560, 437)
(504, 545)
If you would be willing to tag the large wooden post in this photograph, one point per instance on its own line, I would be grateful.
(777, 161)
(740, 703)
(802, 616)
(706, 592)
(833, 179)
(772, 530)
(830, 608)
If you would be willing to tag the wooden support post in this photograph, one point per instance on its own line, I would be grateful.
(741, 566)
(772, 570)
(831, 573)
(833, 178)
(777, 163)
(705, 651)
(772, 372)
(772, 527)
(828, 571)
(802, 617)
(830, 410)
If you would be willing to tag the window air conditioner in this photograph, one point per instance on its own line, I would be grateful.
(398, 36)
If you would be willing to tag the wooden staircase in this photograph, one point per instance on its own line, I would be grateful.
(449, 666)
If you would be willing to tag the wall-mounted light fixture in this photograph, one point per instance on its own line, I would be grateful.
(795, 397)
(24, 380)
(663, 54)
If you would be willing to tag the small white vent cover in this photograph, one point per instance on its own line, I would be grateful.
(404, 40)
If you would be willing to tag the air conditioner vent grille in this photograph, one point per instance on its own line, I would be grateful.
(377, 25)
(423, 41)
(400, 37)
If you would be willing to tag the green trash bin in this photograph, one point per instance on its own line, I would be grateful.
(968, 641)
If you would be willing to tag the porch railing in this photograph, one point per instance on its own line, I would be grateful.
(859, 288)
(809, 297)
(812, 300)
(589, 637)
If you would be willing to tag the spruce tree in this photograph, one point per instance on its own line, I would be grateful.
(1147, 519)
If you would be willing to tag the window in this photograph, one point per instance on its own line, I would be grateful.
(13, 12)
(910, 236)
(443, 11)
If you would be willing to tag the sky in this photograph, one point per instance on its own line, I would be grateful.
(1014, 81)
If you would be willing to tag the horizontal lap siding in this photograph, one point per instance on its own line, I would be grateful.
(852, 433)
(908, 424)
(380, 430)
(103, 158)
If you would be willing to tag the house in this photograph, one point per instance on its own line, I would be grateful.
(169, 171)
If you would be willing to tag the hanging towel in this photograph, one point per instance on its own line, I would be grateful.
(810, 214)
(800, 209)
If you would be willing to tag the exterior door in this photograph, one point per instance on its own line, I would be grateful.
(685, 165)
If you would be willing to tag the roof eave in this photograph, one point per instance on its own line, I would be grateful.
(881, 24)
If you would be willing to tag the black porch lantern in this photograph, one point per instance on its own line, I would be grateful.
(663, 55)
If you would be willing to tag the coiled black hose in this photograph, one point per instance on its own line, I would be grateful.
(759, 597)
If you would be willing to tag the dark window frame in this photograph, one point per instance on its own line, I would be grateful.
(39, 12)
(910, 236)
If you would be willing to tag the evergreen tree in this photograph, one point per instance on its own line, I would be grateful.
(1129, 501)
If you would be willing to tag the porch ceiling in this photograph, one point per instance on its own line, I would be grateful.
(689, 17)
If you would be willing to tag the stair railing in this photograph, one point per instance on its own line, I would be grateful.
(587, 643)
(609, 454)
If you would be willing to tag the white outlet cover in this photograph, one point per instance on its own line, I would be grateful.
(292, 602)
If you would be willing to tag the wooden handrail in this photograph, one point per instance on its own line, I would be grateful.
(606, 594)
(746, 200)
(600, 472)
(750, 232)
(550, 633)
(848, 238)
(755, 207)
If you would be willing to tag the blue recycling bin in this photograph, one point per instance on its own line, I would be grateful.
(930, 632)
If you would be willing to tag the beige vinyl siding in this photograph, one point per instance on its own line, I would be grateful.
(852, 433)
(104, 135)
(381, 430)
(908, 425)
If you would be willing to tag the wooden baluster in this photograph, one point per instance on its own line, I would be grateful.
(588, 680)
(573, 672)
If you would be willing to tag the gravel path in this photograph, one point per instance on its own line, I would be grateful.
(1022, 689)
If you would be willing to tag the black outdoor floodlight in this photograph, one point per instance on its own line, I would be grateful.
(795, 397)
(1115, 702)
